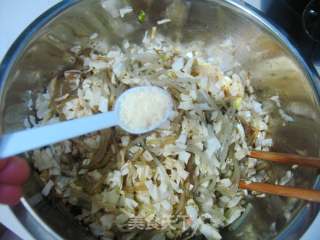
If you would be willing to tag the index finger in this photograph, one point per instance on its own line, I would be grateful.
(15, 172)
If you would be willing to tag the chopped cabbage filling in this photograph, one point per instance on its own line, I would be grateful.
(181, 178)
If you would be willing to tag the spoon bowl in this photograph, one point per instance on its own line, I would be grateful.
(120, 103)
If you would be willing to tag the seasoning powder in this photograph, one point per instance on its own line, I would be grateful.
(144, 109)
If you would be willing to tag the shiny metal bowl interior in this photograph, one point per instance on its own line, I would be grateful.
(275, 68)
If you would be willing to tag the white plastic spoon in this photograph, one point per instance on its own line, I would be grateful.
(18, 142)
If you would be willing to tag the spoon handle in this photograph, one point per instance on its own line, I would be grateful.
(18, 142)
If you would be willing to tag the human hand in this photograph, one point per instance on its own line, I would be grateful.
(14, 172)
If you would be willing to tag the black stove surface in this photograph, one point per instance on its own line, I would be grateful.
(290, 16)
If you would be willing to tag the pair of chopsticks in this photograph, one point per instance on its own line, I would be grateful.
(284, 158)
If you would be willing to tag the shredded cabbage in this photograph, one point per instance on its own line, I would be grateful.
(182, 179)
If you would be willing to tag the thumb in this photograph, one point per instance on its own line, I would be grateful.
(3, 163)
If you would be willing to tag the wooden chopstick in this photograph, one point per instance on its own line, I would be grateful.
(286, 158)
(300, 193)
(285, 191)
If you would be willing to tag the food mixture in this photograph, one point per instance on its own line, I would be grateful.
(178, 181)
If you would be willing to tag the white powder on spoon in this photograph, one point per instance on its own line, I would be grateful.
(144, 109)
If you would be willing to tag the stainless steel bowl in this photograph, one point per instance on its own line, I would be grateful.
(276, 67)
